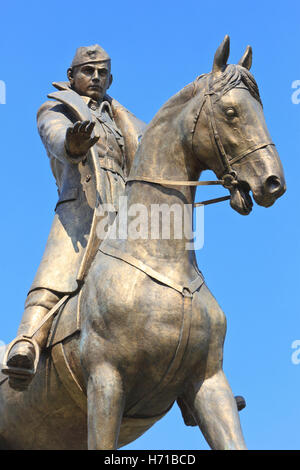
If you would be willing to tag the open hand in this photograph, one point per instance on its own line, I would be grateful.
(79, 138)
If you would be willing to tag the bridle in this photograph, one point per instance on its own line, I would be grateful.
(229, 179)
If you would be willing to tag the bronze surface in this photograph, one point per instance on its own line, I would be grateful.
(151, 332)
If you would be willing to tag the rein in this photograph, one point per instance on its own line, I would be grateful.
(229, 178)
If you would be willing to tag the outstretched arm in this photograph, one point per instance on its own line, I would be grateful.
(62, 138)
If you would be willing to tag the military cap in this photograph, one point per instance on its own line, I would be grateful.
(89, 54)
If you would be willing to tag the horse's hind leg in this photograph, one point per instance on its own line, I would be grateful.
(105, 407)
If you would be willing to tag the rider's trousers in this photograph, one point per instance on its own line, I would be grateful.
(38, 303)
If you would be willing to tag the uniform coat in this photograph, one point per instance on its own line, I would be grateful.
(82, 185)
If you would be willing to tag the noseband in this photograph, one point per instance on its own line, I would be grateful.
(229, 178)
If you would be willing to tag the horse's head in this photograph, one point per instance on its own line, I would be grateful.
(231, 137)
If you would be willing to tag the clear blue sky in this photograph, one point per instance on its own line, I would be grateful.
(251, 264)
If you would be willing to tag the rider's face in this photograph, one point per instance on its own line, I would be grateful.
(91, 80)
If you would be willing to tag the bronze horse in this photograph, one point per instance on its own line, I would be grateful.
(147, 330)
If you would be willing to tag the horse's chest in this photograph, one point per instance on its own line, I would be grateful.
(159, 331)
(190, 334)
(146, 330)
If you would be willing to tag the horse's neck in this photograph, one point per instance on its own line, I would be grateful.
(162, 155)
(165, 150)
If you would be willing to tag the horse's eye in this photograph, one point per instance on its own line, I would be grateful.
(230, 113)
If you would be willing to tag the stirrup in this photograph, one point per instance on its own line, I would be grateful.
(19, 371)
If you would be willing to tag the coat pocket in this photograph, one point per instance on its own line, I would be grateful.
(70, 194)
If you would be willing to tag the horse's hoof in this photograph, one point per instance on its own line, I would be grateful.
(240, 403)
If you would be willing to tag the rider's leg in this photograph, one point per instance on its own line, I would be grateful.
(37, 305)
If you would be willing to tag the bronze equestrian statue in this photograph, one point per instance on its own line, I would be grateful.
(143, 329)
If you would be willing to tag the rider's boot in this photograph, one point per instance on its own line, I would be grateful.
(24, 351)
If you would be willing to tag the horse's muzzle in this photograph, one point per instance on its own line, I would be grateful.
(274, 186)
(264, 176)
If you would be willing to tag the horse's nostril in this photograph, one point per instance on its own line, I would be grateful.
(273, 184)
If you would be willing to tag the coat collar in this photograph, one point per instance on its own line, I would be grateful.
(102, 107)
(65, 86)
(72, 98)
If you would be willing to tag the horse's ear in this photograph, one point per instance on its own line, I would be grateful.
(246, 60)
(221, 55)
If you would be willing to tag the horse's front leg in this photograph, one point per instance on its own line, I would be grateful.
(105, 407)
(209, 396)
(104, 384)
(214, 408)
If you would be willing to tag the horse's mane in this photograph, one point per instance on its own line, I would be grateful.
(220, 84)
(231, 77)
